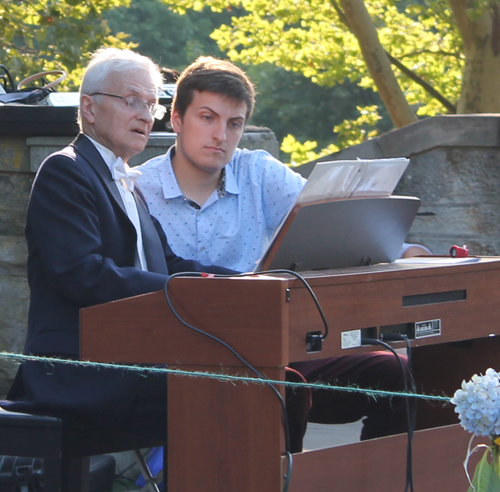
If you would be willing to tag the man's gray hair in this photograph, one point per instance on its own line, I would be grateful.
(106, 61)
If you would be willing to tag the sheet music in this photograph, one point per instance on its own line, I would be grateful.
(348, 179)
(436, 260)
(354, 178)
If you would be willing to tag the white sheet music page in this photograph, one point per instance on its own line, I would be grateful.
(354, 178)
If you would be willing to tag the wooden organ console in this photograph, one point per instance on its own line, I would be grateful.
(229, 436)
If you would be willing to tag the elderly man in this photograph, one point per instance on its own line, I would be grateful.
(91, 240)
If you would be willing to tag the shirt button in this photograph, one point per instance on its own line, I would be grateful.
(202, 248)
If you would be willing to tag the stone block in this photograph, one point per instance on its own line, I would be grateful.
(159, 143)
(15, 188)
(14, 154)
(14, 295)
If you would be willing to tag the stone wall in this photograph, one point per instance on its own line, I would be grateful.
(455, 171)
(20, 158)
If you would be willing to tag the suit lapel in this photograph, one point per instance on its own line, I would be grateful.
(87, 150)
(153, 249)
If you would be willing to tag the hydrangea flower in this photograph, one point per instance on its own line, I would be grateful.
(478, 404)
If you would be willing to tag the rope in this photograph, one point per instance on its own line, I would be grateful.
(217, 376)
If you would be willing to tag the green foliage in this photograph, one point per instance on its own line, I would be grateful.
(301, 153)
(287, 102)
(352, 132)
(349, 132)
(40, 35)
(486, 477)
(310, 37)
(171, 39)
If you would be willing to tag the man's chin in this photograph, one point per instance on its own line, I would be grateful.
(212, 168)
(138, 143)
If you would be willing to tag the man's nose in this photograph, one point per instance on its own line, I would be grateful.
(219, 132)
(146, 115)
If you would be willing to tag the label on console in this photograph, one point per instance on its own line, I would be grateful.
(431, 328)
(351, 339)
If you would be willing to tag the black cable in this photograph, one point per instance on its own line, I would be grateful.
(306, 285)
(413, 409)
(411, 425)
(240, 358)
(8, 77)
(410, 410)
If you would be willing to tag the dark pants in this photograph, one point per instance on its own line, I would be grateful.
(377, 370)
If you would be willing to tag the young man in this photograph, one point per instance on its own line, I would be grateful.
(220, 204)
(91, 240)
(223, 204)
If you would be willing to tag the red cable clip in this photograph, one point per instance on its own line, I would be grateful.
(457, 252)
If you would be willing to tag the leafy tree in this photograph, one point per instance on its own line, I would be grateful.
(350, 132)
(39, 35)
(428, 57)
(287, 102)
(171, 39)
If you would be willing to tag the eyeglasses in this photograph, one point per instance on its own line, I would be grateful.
(138, 104)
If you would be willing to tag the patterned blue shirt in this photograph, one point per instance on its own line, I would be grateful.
(234, 226)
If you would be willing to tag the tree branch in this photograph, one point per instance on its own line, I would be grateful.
(409, 73)
(456, 55)
(362, 26)
(422, 83)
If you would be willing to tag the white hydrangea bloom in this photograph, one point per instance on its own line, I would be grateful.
(478, 404)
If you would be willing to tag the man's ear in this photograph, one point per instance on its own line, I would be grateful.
(176, 121)
(87, 108)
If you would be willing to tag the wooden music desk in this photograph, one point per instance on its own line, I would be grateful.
(229, 436)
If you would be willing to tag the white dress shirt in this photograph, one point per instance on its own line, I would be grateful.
(128, 200)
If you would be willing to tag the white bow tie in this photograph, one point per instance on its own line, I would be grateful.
(122, 172)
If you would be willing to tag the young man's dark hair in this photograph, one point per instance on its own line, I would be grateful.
(213, 75)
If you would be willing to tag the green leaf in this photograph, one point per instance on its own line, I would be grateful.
(485, 478)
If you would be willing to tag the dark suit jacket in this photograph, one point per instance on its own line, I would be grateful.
(81, 247)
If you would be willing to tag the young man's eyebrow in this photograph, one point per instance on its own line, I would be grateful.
(208, 108)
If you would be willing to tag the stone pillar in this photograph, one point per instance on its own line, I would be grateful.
(15, 183)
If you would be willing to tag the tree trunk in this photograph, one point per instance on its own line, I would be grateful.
(379, 66)
(481, 75)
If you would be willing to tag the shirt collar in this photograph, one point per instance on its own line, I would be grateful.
(230, 180)
(170, 187)
(107, 155)
(168, 181)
